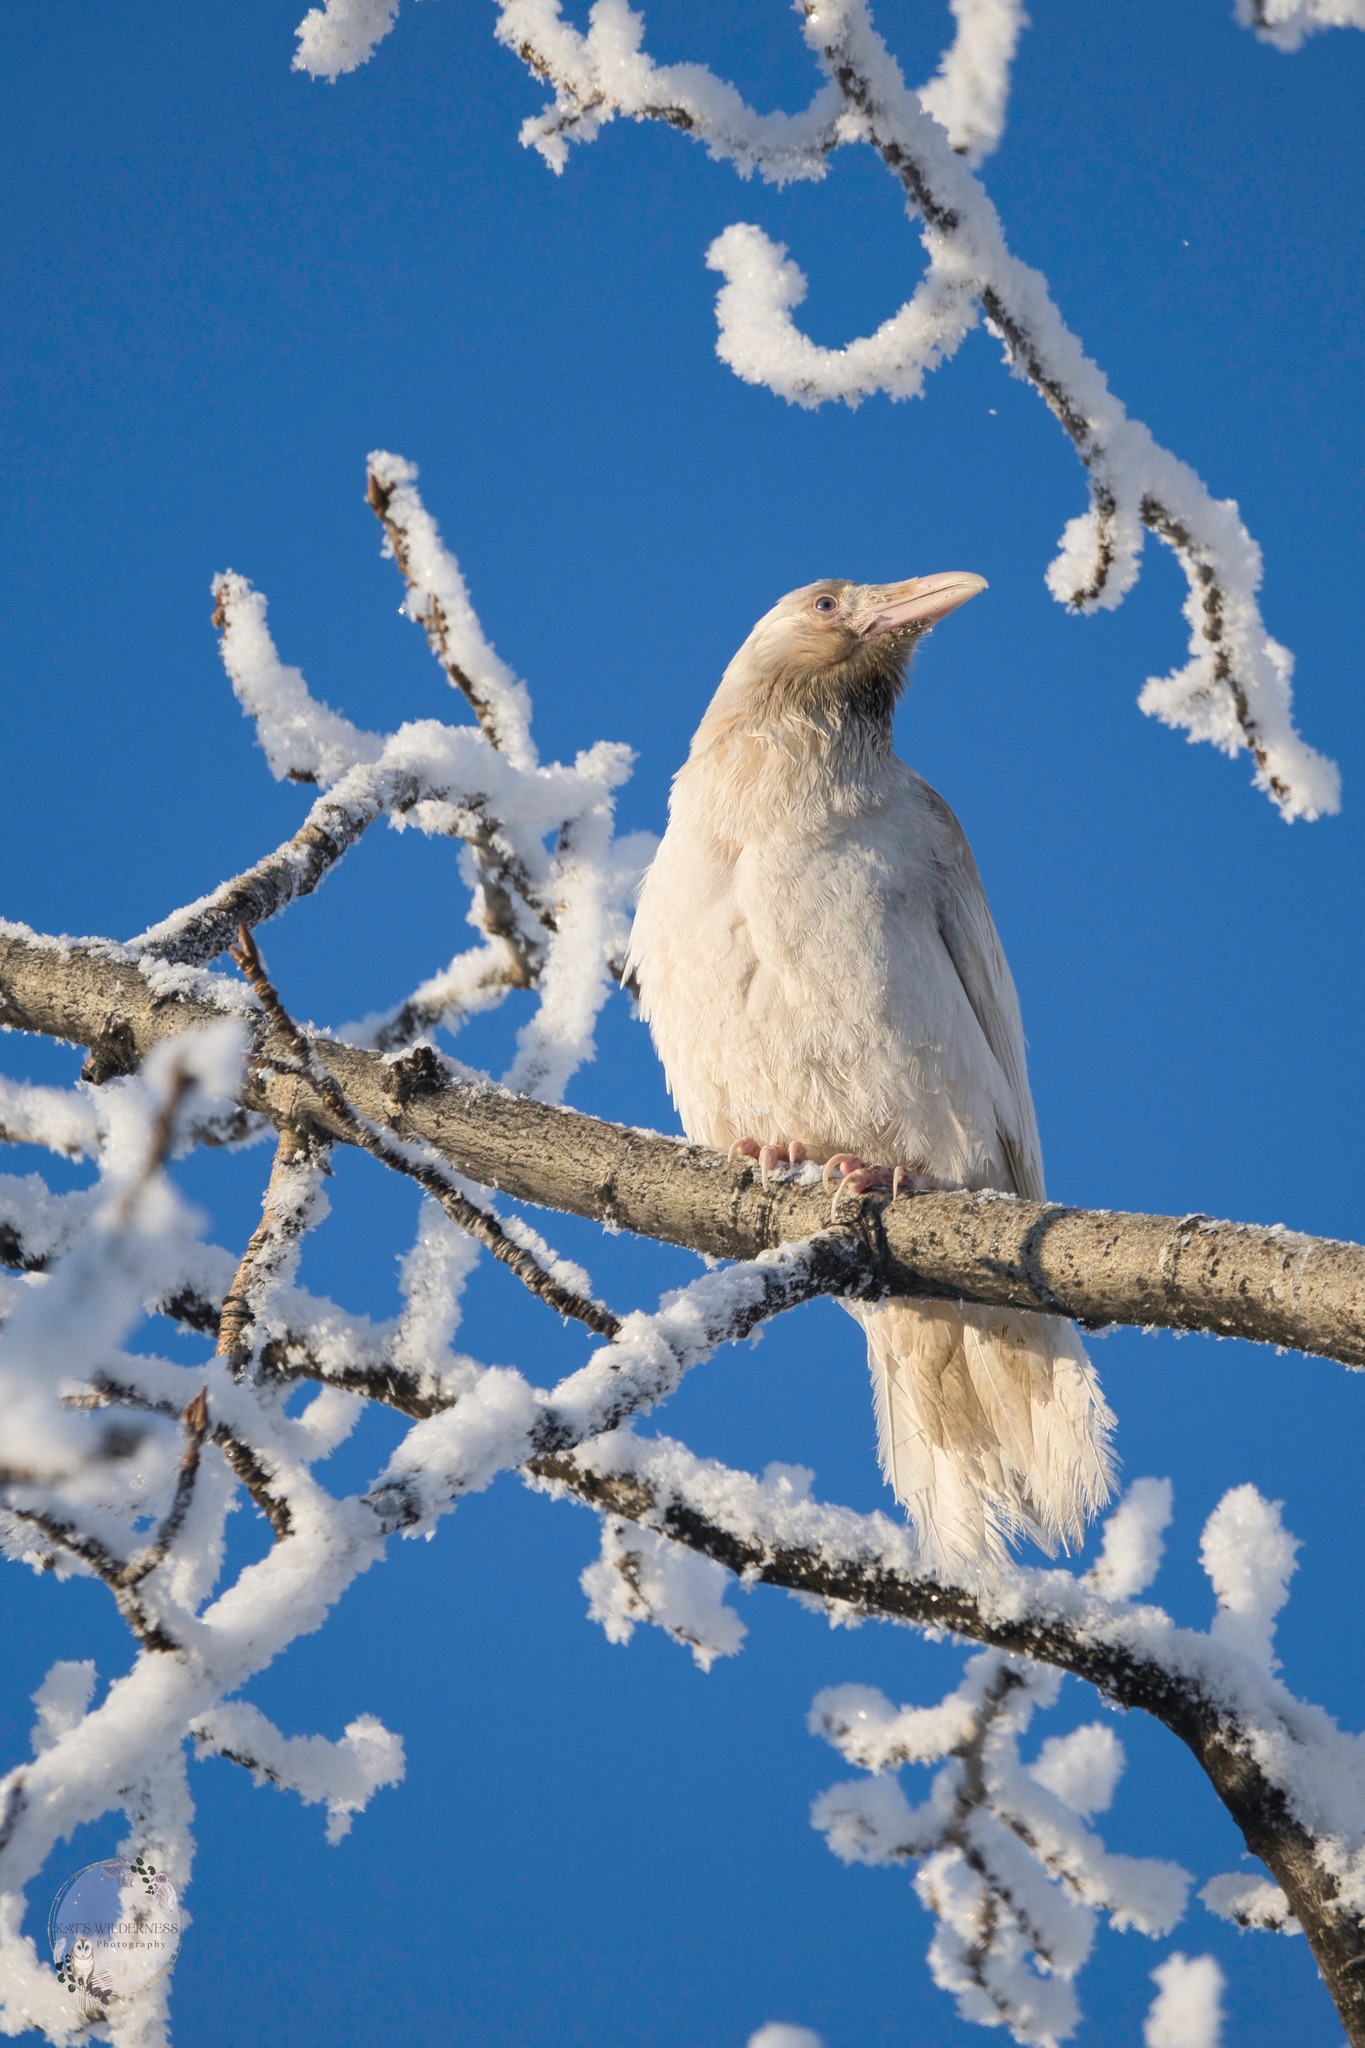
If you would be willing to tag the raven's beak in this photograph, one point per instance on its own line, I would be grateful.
(921, 602)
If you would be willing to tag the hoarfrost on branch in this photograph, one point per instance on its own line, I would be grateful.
(1235, 688)
(122, 1465)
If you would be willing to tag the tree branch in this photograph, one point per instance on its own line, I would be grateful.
(306, 742)
(389, 494)
(511, 908)
(201, 931)
(432, 1176)
(195, 1420)
(1098, 1267)
(475, 980)
(866, 1564)
(269, 1250)
(1234, 690)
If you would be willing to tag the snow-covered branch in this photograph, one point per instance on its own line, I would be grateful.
(1235, 689)
(1291, 1779)
(344, 1776)
(1009, 1868)
(438, 601)
(1096, 1266)
(1285, 23)
(552, 918)
(121, 1465)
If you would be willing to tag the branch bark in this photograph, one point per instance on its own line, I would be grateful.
(1098, 1267)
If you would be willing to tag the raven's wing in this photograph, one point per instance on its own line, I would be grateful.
(973, 945)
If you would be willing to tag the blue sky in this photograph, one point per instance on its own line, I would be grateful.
(225, 285)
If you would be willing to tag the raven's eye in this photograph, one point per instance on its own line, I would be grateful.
(827, 604)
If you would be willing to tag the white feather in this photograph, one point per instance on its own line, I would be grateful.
(816, 961)
(990, 1424)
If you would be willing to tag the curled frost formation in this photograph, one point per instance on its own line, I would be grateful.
(1234, 689)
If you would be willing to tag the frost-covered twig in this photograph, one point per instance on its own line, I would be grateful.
(291, 1205)
(201, 931)
(1291, 1779)
(640, 1576)
(522, 919)
(510, 1247)
(342, 1775)
(1249, 1902)
(78, 1545)
(1235, 688)
(195, 1422)
(1013, 1874)
(302, 739)
(475, 980)
(438, 601)
(1285, 23)
(458, 1451)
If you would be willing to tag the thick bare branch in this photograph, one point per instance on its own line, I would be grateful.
(1269, 1285)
